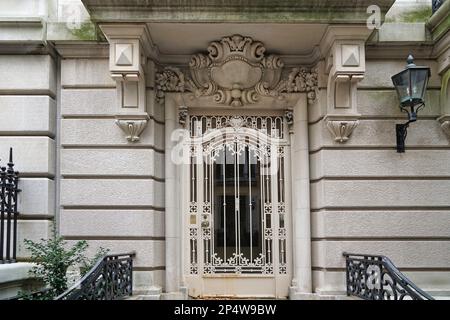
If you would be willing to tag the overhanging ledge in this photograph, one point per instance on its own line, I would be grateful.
(281, 11)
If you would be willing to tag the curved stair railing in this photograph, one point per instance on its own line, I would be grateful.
(436, 4)
(111, 278)
(375, 277)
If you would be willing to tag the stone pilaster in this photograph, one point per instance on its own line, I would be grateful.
(445, 102)
(439, 27)
(445, 93)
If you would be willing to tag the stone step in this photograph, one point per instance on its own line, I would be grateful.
(153, 293)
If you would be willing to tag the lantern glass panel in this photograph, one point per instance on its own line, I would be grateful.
(402, 85)
(419, 81)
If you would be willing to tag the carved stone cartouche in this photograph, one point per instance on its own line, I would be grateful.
(236, 72)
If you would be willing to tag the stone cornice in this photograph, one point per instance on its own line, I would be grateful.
(399, 50)
(326, 11)
(309, 59)
(37, 21)
(82, 49)
(38, 47)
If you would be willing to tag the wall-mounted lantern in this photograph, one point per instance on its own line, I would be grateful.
(411, 85)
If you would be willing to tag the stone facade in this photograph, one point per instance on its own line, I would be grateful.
(89, 109)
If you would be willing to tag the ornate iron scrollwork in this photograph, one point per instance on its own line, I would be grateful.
(372, 277)
(110, 279)
(260, 143)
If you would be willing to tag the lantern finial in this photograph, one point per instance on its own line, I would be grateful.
(410, 61)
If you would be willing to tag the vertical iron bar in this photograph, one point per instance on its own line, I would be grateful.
(130, 259)
(262, 208)
(105, 277)
(212, 211)
(238, 204)
(224, 206)
(9, 191)
(236, 230)
(347, 274)
(2, 209)
(250, 202)
(15, 213)
(15, 216)
(380, 289)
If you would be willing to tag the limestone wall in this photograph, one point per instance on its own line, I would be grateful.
(367, 198)
(28, 125)
(112, 191)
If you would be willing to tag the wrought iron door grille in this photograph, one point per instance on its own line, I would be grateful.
(237, 200)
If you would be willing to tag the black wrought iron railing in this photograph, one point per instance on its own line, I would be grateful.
(9, 182)
(110, 279)
(436, 4)
(375, 277)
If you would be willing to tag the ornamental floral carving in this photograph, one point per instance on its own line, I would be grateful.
(169, 80)
(341, 130)
(301, 80)
(236, 72)
(132, 128)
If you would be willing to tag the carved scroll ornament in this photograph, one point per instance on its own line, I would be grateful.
(236, 72)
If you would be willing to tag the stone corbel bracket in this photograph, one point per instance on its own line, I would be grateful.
(345, 68)
(130, 45)
(341, 127)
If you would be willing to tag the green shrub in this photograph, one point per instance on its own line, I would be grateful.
(52, 258)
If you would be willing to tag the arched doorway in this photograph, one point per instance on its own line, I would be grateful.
(236, 213)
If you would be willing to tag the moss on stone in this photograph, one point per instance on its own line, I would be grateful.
(86, 31)
(419, 15)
